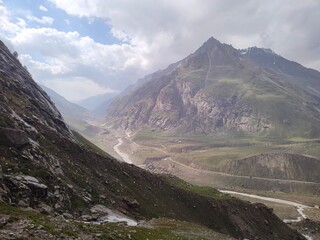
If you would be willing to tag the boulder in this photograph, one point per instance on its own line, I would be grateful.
(45, 209)
(39, 190)
(100, 209)
(131, 203)
(16, 189)
(26, 186)
(13, 137)
(89, 218)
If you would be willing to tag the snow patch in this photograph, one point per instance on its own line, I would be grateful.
(115, 217)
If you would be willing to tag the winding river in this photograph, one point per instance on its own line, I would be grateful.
(123, 156)
(300, 207)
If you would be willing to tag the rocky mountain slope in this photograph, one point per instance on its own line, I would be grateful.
(222, 90)
(70, 111)
(277, 166)
(44, 167)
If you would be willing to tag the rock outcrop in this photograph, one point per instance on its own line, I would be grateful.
(13, 137)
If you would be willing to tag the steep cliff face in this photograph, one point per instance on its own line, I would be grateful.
(28, 106)
(44, 167)
(223, 90)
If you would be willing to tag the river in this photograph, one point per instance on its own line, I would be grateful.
(124, 156)
(300, 207)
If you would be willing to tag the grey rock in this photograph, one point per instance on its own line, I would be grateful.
(26, 186)
(45, 209)
(23, 203)
(67, 216)
(13, 137)
(101, 209)
(60, 218)
(38, 189)
(132, 203)
(89, 218)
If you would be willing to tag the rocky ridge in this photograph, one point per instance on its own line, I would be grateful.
(222, 90)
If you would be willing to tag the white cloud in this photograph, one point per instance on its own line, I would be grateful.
(7, 28)
(45, 20)
(43, 8)
(119, 34)
(154, 34)
(68, 54)
(49, 66)
(76, 88)
(172, 29)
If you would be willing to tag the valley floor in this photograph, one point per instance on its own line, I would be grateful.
(174, 157)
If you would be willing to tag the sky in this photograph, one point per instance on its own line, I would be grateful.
(82, 48)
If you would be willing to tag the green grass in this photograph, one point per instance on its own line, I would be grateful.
(213, 152)
(89, 144)
(157, 229)
(36, 218)
(201, 190)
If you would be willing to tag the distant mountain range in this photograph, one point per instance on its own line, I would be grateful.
(222, 90)
(86, 109)
(98, 104)
(68, 109)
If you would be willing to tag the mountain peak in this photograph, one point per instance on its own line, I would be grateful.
(210, 44)
(209, 93)
(212, 40)
(215, 53)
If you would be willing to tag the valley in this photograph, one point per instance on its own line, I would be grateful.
(243, 155)
(123, 120)
(53, 181)
(155, 153)
(167, 159)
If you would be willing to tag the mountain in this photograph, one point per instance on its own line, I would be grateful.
(306, 78)
(219, 89)
(98, 104)
(277, 166)
(78, 118)
(68, 109)
(52, 171)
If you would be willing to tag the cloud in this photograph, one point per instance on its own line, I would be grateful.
(67, 55)
(43, 20)
(45, 68)
(43, 8)
(172, 29)
(76, 88)
(8, 28)
(154, 34)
